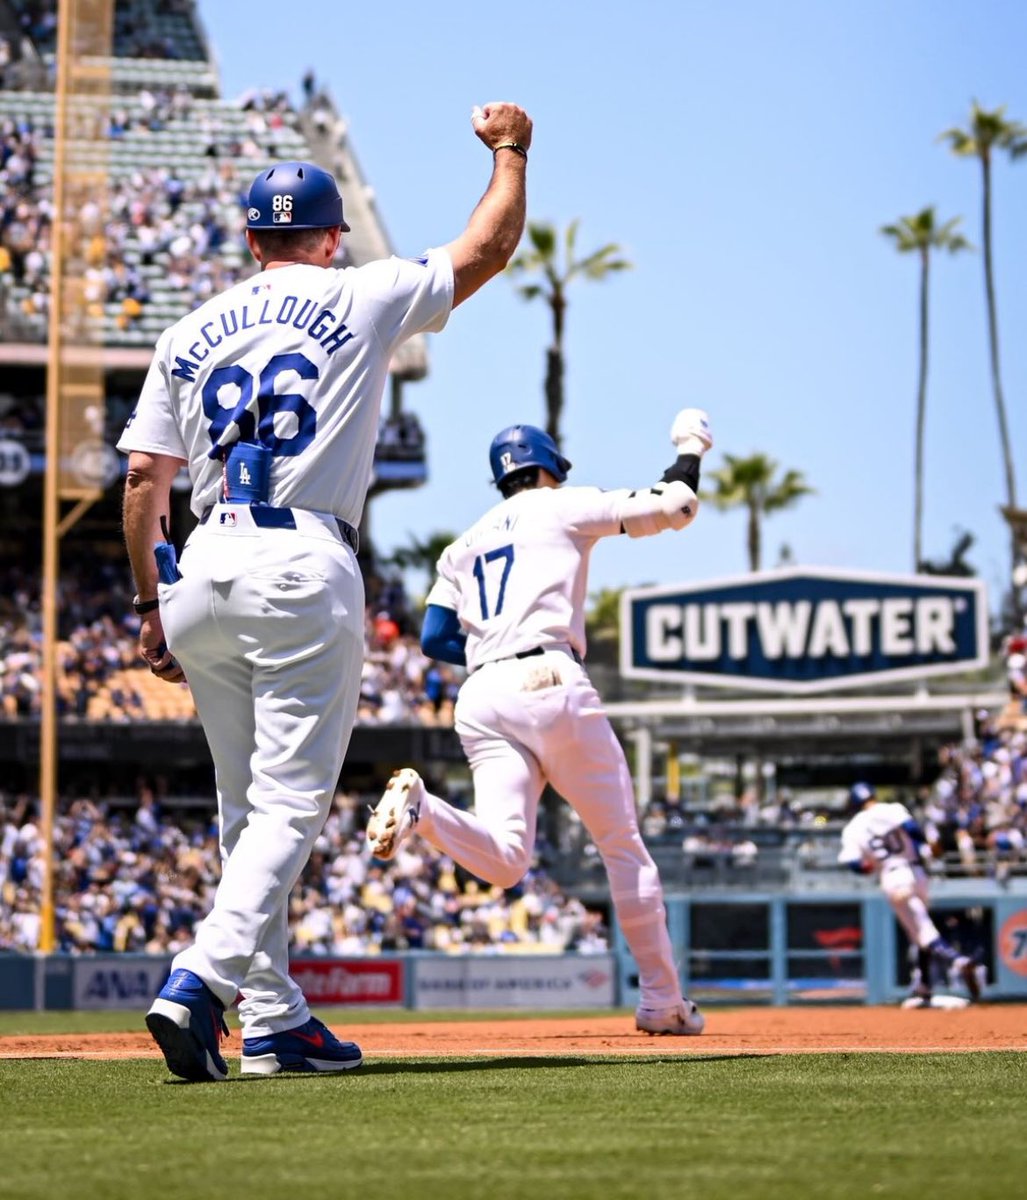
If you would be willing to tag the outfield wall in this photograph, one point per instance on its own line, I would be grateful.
(787, 948)
(753, 948)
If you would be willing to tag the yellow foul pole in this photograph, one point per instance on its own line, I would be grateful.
(51, 496)
(74, 375)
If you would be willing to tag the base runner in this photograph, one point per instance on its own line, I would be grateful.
(509, 604)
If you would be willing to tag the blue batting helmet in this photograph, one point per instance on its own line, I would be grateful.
(522, 446)
(294, 195)
(860, 793)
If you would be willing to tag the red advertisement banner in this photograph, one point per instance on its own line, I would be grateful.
(349, 981)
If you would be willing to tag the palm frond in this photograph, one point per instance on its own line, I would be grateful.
(543, 237)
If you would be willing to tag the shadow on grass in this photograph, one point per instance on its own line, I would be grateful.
(442, 1066)
(545, 1062)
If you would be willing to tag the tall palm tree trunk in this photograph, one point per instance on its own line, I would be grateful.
(554, 393)
(754, 538)
(921, 412)
(554, 369)
(996, 378)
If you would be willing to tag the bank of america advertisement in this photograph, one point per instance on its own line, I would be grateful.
(515, 981)
(802, 630)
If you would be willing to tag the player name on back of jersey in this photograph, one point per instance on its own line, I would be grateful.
(498, 520)
(291, 310)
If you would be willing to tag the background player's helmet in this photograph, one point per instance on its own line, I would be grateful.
(294, 195)
(859, 794)
(522, 446)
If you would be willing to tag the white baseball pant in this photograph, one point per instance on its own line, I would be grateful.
(523, 722)
(906, 889)
(268, 625)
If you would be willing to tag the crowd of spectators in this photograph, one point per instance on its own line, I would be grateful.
(97, 655)
(139, 876)
(181, 229)
(976, 811)
(974, 814)
(135, 35)
(140, 879)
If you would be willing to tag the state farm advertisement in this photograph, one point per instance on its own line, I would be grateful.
(350, 981)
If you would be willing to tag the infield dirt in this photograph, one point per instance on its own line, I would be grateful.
(739, 1032)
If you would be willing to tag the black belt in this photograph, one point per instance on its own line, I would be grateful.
(542, 649)
(265, 516)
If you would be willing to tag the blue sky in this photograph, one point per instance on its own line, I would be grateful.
(744, 155)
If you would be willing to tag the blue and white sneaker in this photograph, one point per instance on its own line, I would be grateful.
(187, 1021)
(309, 1047)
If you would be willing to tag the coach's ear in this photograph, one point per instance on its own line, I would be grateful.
(331, 246)
(254, 246)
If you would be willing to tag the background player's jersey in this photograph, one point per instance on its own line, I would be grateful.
(296, 358)
(875, 835)
(517, 579)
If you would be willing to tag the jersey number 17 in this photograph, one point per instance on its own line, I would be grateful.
(504, 554)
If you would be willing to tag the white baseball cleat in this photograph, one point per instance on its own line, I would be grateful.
(684, 1020)
(396, 813)
(966, 969)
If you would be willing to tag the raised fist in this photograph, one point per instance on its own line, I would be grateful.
(499, 122)
(690, 432)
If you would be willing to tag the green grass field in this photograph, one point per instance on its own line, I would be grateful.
(571, 1128)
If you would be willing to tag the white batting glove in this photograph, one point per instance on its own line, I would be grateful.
(691, 433)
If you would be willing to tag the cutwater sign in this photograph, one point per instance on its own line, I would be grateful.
(804, 629)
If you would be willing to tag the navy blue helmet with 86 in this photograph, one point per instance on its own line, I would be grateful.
(294, 195)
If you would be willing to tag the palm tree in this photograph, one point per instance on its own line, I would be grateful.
(420, 556)
(987, 132)
(545, 259)
(920, 234)
(751, 482)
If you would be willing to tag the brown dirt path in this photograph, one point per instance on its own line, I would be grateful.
(741, 1032)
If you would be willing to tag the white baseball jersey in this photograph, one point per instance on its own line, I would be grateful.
(296, 358)
(875, 835)
(517, 579)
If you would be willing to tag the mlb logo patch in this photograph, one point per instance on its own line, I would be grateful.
(282, 218)
(229, 519)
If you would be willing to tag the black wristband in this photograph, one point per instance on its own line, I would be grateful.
(516, 147)
(686, 468)
(143, 607)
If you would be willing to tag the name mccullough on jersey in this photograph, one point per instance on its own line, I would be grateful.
(329, 332)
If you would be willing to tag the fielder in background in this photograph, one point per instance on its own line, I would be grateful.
(886, 839)
(509, 603)
(270, 393)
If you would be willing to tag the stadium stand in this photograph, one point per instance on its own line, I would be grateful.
(140, 879)
(102, 678)
(137, 872)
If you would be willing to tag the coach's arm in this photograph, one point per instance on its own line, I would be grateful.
(496, 225)
(146, 501)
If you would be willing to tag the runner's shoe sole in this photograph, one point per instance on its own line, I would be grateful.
(396, 813)
(273, 1064)
(170, 1027)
